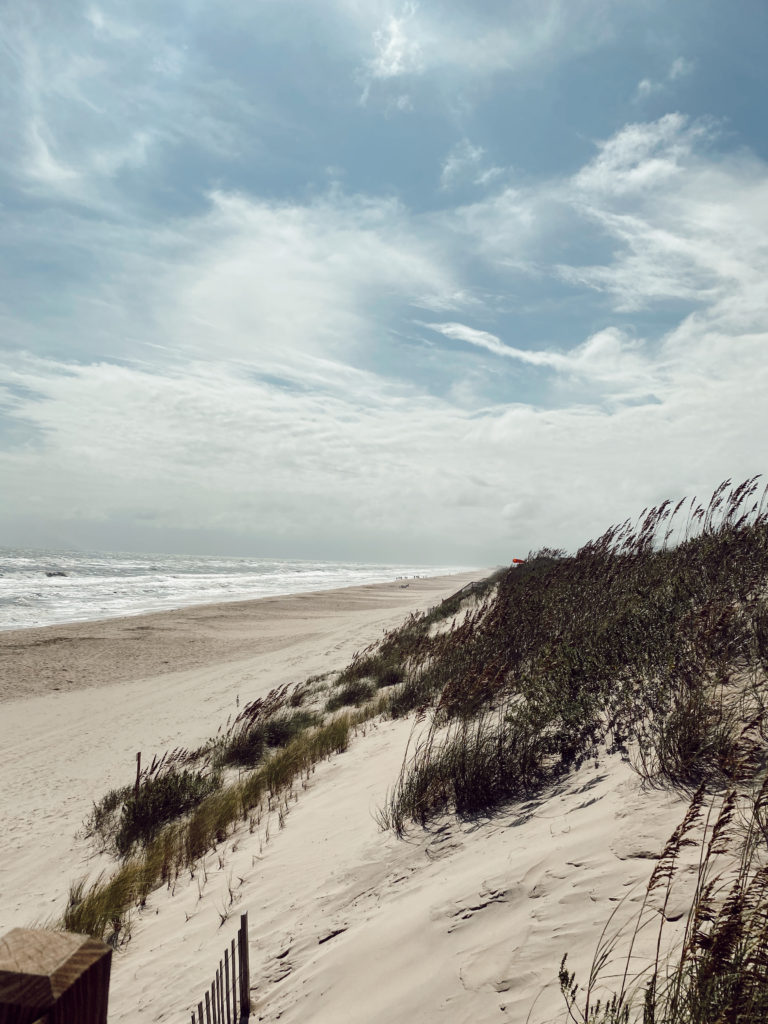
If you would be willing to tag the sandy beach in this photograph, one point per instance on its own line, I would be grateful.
(79, 700)
(464, 922)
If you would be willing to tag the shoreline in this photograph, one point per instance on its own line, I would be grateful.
(70, 656)
(95, 590)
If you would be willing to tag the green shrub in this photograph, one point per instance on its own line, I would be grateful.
(389, 675)
(102, 822)
(243, 748)
(280, 730)
(353, 693)
(416, 691)
(161, 799)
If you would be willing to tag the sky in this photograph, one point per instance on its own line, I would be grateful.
(441, 281)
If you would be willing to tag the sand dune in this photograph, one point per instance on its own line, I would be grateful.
(464, 922)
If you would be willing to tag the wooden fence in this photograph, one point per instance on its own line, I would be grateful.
(228, 1001)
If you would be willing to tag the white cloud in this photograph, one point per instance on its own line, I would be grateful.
(403, 104)
(647, 87)
(271, 281)
(474, 42)
(367, 469)
(686, 227)
(101, 94)
(680, 67)
(464, 159)
(608, 356)
(466, 162)
(41, 165)
(396, 51)
(642, 157)
(106, 25)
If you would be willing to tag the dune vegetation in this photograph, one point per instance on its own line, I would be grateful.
(650, 642)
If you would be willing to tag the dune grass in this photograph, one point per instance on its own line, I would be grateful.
(159, 853)
(718, 972)
(187, 802)
(246, 745)
(657, 650)
(651, 641)
(351, 694)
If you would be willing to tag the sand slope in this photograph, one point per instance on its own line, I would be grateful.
(466, 922)
(79, 700)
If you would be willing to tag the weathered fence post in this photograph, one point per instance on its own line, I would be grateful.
(234, 981)
(226, 985)
(245, 971)
(57, 974)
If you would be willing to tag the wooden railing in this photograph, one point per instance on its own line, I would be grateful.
(53, 978)
(228, 1001)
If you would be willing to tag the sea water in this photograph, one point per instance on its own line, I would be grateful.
(41, 588)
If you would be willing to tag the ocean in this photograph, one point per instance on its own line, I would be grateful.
(42, 588)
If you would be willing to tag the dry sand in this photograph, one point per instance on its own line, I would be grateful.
(77, 701)
(463, 923)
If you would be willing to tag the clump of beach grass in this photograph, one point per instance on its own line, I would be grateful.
(352, 693)
(247, 744)
(717, 971)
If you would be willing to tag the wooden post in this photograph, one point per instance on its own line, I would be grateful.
(200, 1018)
(234, 980)
(226, 984)
(207, 1008)
(221, 992)
(138, 774)
(245, 973)
(56, 973)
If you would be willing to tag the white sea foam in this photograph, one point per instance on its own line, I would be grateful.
(40, 588)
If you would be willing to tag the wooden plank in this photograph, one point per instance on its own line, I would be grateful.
(245, 972)
(200, 1018)
(240, 970)
(226, 985)
(207, 1008)
(214, 1004)
(220, 991)
(247, 952)
(234, 980)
